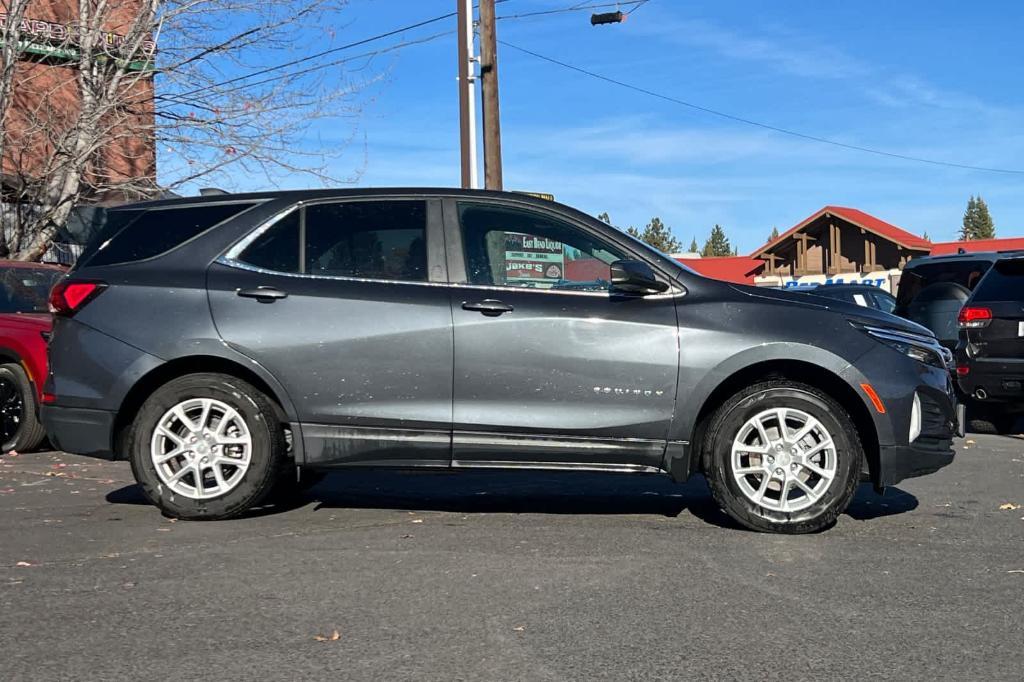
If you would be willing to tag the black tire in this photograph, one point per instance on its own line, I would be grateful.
(992, 423)
(19, 421)
(267, 460)
(730, 418)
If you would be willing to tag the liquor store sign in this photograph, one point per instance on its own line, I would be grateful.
(58, 41)
(533, 259)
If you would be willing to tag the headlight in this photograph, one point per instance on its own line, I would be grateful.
(922, 348)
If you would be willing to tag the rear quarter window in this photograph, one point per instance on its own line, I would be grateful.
(138, 235)
(1004, 282)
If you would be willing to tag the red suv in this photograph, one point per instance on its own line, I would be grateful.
(24, 325)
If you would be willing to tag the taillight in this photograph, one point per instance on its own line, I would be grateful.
(69, 296)
(973, 317)
(963, 370)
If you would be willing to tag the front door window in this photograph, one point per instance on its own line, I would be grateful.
(516, 248)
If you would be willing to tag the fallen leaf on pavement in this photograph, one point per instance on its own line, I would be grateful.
(519, 628)
(23, 563)
(7, 490)
(1009, 506)
(417, 520)
(12, 453)
(969, 441)
(333, 637)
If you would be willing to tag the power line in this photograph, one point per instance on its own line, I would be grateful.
(638, 6)
(337, 62)
(758, 124)
(575, 8)
(318, 55)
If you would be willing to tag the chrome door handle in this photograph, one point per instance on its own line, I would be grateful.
(263, 294)
(489, 307)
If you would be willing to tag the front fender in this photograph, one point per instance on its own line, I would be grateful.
(704, 381)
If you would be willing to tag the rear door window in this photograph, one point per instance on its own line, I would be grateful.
(157, 231)
(384, 240)
(1004, 282)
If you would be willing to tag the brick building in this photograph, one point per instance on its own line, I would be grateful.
(45, 102)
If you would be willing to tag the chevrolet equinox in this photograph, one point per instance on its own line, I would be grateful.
(223, 345)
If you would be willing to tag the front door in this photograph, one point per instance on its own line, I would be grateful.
(336, 300)
(551, 368)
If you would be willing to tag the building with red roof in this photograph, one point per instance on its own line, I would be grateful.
(1007, 244)
(738, 269)
(836, 240)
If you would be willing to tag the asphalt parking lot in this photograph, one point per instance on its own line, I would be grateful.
(497, 575)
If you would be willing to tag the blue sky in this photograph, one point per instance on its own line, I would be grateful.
(939, 79)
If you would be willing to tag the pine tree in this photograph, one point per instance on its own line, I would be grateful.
(693, 245)
(774, 235)
(717, 244)
(658, 235)
(977, 222)
(925, 236)
(605, 218)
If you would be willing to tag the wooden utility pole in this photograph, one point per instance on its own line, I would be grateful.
(467, 95)
(489, 94)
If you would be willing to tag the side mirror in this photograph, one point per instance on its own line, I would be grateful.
(635, 277)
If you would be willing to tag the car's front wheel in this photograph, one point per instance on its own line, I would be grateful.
(783, 457)
(207, 446)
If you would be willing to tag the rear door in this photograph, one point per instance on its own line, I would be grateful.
(551, 368)
(344, 303)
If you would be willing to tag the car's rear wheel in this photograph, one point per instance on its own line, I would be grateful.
(207, 446)
(782, 457)
(20, 429)
(982, 420)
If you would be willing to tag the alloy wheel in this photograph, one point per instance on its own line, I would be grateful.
(12, 408)
(201, 448)
(783, 459)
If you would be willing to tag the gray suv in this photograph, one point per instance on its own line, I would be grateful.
(224, 345)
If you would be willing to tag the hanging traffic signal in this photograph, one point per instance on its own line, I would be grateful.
(607, 18)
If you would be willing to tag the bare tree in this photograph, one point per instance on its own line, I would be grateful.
(218, 87)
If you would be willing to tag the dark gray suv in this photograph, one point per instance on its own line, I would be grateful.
(225, 344)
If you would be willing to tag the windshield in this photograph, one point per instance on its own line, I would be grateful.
(26, 290)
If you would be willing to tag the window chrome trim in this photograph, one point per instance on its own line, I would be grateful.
(232, 253)
(230, 259)
(672, 293)
(241, 265)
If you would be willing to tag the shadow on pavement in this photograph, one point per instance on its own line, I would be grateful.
(867, 504)
(531, 492)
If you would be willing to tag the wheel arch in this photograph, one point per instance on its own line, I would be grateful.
(802, 371)
(178, 367)
(16, 357)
